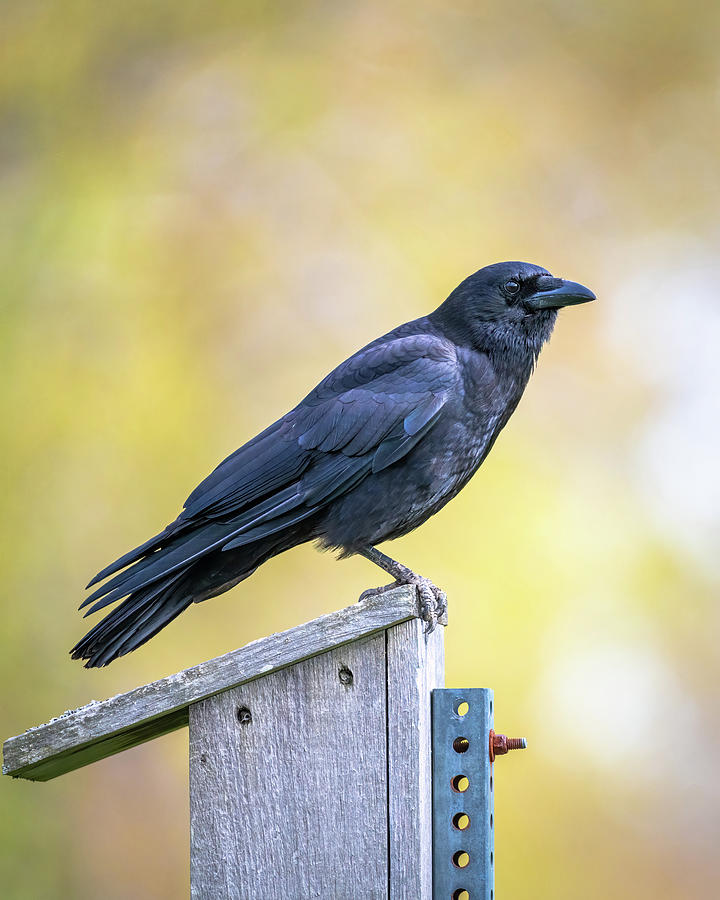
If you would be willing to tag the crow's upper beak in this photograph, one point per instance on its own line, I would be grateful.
(552, 293)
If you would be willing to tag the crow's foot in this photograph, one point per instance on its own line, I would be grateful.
(433, 603)
(431, 599)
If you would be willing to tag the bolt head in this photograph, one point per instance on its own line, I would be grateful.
(500, 744)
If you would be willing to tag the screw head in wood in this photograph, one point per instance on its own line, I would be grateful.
(243, 715)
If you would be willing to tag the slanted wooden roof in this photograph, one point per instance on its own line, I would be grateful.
(99, 729)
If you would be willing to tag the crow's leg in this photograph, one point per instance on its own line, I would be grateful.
(433, 601)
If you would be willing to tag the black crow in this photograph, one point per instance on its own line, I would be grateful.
(382, 443)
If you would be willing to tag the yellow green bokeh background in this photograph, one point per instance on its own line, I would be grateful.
(205, 207)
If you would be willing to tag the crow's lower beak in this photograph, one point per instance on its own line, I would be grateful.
(559, 293)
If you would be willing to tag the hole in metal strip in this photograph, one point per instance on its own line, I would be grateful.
(460, 783)
(462, 707)
(461, 745)
(461, 821)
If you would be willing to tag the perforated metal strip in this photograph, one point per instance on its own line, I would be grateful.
(463, 834)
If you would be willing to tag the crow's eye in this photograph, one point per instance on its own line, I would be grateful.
(512, 287)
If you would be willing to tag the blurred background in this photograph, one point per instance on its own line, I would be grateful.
(204, 208)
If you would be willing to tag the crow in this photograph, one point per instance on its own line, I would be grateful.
(380, 445)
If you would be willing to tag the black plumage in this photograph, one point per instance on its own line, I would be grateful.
(382, 443)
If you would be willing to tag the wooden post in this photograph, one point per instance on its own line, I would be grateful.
(316, 781)
(310, 771)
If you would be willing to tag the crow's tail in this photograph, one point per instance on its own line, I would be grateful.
(134, 621)
(151, 607)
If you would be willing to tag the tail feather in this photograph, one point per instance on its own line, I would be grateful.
(171, 557)
(137, 553)
(133, 622)
(194, 559)
(150, 608)
(262, 520)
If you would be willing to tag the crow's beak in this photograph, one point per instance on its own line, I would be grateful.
(552, 293)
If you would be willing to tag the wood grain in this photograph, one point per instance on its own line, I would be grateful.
(100, 729)
(293, 802)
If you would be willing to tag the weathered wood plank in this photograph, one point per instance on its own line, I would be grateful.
(293, 803)
(100, 729)
(415, 665)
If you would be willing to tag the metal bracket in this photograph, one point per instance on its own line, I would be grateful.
(463, 806)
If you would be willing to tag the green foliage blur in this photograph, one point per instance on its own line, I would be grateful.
(204, 208)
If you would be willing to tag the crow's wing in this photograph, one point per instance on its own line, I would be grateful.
(364, 416)
(375, 406)
(380, 401)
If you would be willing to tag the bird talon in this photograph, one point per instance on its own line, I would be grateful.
(432, 603)
(441, 607)
(376, 592)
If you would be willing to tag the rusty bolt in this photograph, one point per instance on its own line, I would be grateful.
(500, 744)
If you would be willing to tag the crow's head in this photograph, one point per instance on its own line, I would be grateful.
(507, 304)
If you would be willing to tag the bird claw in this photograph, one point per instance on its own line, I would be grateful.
(431, 599)
(441, 606)
(375, 592)
(433, 604)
